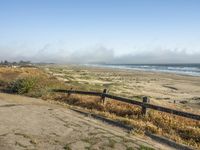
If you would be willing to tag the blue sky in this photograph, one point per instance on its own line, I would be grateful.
(59, 29)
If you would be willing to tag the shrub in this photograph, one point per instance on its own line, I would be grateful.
(2, 83)
(22, 86)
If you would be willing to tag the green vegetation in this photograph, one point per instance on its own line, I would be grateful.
(28, 81)
(142, 147)
(37, 83)
(2, 83)
(22, 86)
(66, 147)
(130, 148)
(111, 143)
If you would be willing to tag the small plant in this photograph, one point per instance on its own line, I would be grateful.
(142, 147)
(3, 83)
(22, 86)
(111, 143)
(66, 147)
(129, 148)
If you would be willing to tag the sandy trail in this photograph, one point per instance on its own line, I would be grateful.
(28, 123)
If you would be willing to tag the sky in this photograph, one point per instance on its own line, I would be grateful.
(100, 31)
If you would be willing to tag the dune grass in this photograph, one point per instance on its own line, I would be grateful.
(35, 82)
(177, 128)
(32, 82)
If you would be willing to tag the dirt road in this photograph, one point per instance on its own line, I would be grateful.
(28, 123)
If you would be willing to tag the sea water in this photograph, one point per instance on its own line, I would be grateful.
(186, 69)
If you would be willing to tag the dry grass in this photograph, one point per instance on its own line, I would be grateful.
(32, 82)
(177, 128)
(10, 74)
(161, 88)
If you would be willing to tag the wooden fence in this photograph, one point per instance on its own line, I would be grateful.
(145, 104)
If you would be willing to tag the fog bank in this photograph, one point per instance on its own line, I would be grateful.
(99, 54)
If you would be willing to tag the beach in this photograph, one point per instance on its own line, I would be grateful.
(178, 92)
(168, 89)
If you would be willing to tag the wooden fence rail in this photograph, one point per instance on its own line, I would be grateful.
(144, 104)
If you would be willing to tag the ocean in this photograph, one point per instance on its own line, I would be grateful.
(185, 69)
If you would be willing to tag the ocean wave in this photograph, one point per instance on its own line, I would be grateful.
(186, 69)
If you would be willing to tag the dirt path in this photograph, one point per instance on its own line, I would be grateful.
(28, 123)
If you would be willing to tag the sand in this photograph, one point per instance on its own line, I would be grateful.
(162, 88)
(29, 123)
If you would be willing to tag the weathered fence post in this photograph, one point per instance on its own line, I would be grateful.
(144, 109)
(70, 91)
(103, 96)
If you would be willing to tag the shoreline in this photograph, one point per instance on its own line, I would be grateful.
(162, 88)
(121, 67)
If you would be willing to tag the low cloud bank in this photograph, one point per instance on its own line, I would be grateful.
(160, 56)
(100, 54)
